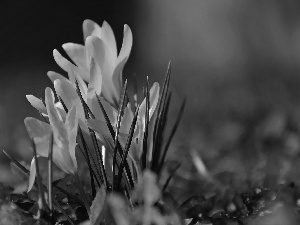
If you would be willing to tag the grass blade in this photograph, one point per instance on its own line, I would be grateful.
(120, 112)
(127, 147)
(145, 138)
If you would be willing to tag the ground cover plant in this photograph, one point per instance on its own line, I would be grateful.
(100, 153)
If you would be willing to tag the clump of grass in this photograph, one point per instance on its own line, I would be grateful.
(134, 183)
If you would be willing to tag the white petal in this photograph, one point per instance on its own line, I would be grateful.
(57, 125)
(78, 54)
(61, 110)
(100, 51)
(108, 37)
(60, 131)
(67, 92)
(95, 84)
(65, 64)
(32, 174)
(91, 28)
(118, 79)
(126, 45)
(71, 126)
(37, 103)
(136, 144)
(58, 158)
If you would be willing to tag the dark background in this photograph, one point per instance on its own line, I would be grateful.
(32, 29)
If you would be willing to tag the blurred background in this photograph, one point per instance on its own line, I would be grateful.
(237, 62)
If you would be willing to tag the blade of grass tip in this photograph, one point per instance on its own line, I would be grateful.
(50, 178)
(127, 147)
(112, 132)
(145, 138)
(88, 114)
(120, 111)
(39, 182)
(156, 131)
(172, 135)
(26, 171)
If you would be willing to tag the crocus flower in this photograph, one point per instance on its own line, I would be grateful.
(64, 137)
(100, 44)
(98, 64)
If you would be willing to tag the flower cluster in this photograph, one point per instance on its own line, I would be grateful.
(94, 75)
